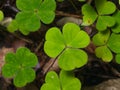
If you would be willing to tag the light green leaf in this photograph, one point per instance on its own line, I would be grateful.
(117, 58)
(105, 7)
(104, 21)
(65, 81)
(81, 40)
(27, 5)
(49, 86)
(13, 26)
(116, 28)
(70, 30)
(1, 15)
(114, 43)
(90, 15)
(53, 49)
(66, 45)
(55, 42)
(101, 38)
(68, 81)
(104, 53)
(74, 37)
(54, 35)
(52, 78)
(51, 82)
(72, 58)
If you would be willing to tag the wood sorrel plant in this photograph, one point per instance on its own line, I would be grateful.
(31, 13)
(19, 66)
(102, 15)
(67, 46)
(65, 81)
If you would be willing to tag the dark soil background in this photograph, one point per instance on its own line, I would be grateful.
(95, 72)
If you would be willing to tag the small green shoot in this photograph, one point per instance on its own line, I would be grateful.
(31, 13)
(19, 66)
(66, 46)
(65, 81)
(102, 14)
(1, 15)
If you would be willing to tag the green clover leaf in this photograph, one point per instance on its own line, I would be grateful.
(89, 13)
(103, 10)
(117, 58)
(101, 38)
(102, 51)
(116, 28)
(32, 12)
(107, 43)
(13, 26)
(66, 45)
(65, 81)
(103, 7)
(72, 58)
(104, 21)
(1, 15)
(19, 66)
(114, 43)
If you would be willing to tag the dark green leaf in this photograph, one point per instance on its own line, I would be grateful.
(25, 21)
(9, 70)
(20, 79)
(46, 11)
(28, 5)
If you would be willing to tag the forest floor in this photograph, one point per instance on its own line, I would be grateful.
(95, 72)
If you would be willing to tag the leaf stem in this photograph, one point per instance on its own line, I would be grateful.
(60, 13)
